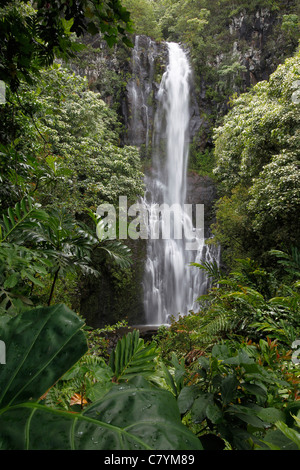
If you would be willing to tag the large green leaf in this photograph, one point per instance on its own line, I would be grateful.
(130, 417)
(41, 346)
(199, 408)
(228, 388)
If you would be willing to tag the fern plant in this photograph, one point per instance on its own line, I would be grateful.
(115, 250)
(35, 243)
(65, 242)
(132, 357)
(91, 377)
(290, 261)
(76, 387)
(17, 218)
(240, 302)
(212, 270)
(21, 267)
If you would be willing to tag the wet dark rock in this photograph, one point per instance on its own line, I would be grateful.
(202, 190)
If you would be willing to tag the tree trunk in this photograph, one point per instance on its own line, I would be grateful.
(53, 285)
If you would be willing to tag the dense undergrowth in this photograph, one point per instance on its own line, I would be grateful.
(226, 377)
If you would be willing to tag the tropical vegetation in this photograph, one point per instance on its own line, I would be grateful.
(224, 377)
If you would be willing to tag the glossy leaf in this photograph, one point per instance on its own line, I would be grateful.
(199, 408)
(42, 344)
(228, 388)
(131, 417)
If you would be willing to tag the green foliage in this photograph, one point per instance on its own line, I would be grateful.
(55, 242)
(38, 339)
(239, 385)
(90, 378)
(201, 162)
(142, 14)
(236, 7)
(17, 218)
(228, 366)
(241, 391)
(36, 243)
(283, 438)
(41, 345)
(61, 150)
(275, 194)
(119, 253)
(219, 45)
(176, 338)
(98, 338)
(20, 265)
(183, 21)
(290, 261)
(249, 300)
(175, 380)
(31, 37)
(236, 397)
(72, 151)
(290, 25)
(21, 270)
(131, 357)
(257, 151)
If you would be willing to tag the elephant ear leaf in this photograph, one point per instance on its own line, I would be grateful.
(131, 416)
(41, 345)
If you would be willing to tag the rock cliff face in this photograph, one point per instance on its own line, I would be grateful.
(202, 190)
(256, 40)
(148, 62)
(254, 46)
(124, 77)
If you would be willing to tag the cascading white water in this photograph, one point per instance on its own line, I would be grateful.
(140, 90)
(171, 285)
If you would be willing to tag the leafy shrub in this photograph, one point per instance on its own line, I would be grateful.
(236, 395)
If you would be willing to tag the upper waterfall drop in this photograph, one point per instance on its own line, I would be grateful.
(176, 88)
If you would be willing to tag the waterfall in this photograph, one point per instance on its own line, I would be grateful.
(170, 284)
(140, 91)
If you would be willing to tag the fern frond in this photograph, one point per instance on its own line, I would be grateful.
(17, 216)
(119, 252)
(221, 324)
(132, 357)
(290, 261)
(211, 268)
